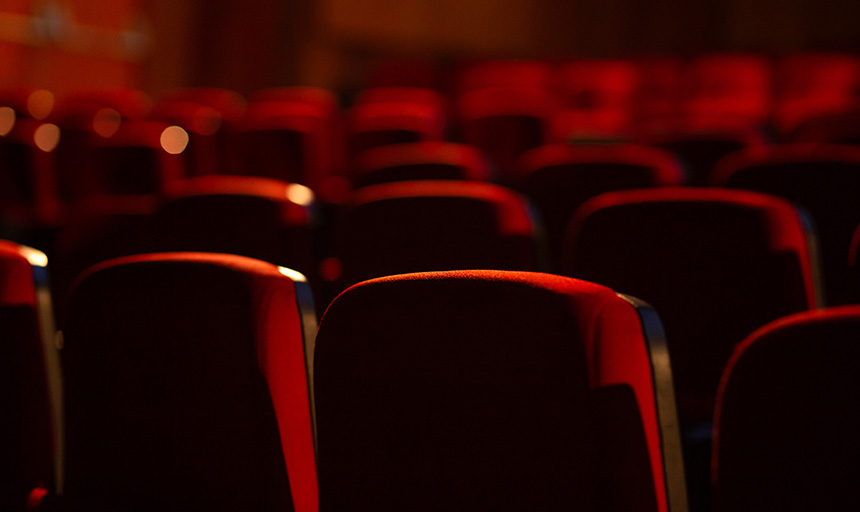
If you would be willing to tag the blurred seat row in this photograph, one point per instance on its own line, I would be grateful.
(475, 351)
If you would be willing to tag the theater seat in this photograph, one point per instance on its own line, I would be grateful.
(493, 390)
(787, 417)
(414, 226)
(820, 178)
(505, 122)
(288, 134)
(187, 386)
(560, 177)
(716, 264)
(419, 161)
(29, 376)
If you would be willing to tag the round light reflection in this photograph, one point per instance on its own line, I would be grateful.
(7, 120)
(40, 103)
(47, 137)
(106, 122)
(174, 140)
(300, 194)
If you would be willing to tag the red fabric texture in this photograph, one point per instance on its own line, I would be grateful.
(786, 418)
(715, 263)
(474, 388)
(186, 386)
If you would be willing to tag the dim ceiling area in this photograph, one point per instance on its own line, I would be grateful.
(156, 45)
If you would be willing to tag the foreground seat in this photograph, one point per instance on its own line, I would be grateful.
(29, 376)
(496, 390)
(186, 386)
(787, 417)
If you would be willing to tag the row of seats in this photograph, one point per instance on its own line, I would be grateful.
(75, 148)
(192, 381)
(346, 196)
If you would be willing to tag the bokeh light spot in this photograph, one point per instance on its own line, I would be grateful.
(174, 140)
(7, 120)
(40, 103)
(300, 194)
(106, 122)
(47, 137)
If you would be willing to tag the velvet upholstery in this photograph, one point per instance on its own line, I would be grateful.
(486, 389)
(716, 264)
(186, 385)
(560, 177)
(821, 179)
(787, 416)
(26, 431)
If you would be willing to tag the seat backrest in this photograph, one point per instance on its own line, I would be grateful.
(716, 264)
(818, 178)
(259, 218)
(420, 161)
(140, 158)
(289, 134)
(415, 226)
(787, 417)
(560, 177)
(491, 390)
(187, 385)
(29, 378)
(381, 123)
(505, 122)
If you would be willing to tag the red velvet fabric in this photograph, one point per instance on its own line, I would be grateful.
(26, 432)
(289, 135)
(186, 386)
(787, 417)
(560, 177)
(485, 389)
(715, 263)
(821, 179)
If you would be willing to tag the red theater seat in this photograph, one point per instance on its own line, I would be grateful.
(597, 96)
(728, 84)
(288, 134)
(560, 177)
(186, 386)
(414, 226)
(28, 187)
(837, 127)
(699, 141)
(504, 73)
(419, 161)
(716, 264)
(29, 377)
(810, 84)
(505, 123)
(255, 217)
(492, 390)
(787, 417)
(820, 178)
(140, 158)
(382, 123)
